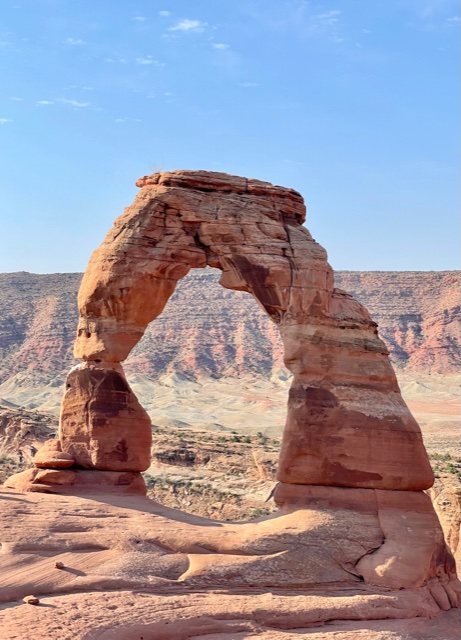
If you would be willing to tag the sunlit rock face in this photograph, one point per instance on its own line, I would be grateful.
(347, 424)
(352, 514)
(102, 425)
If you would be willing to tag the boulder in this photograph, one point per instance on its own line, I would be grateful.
(51, 456)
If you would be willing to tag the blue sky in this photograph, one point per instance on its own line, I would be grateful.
(354, 103)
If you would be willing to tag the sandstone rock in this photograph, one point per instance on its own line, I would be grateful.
(77, 481)
(102, 424)
(286, 573)
(25, 481)
(64, 477)
(347, 423)
(353, 520)
(412, 550)
(51, 456)
(446, 498)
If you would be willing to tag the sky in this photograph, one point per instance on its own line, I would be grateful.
(354, 103)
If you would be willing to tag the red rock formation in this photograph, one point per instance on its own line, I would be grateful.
(347, 423)
(51, 456)
(102, 424)
(352, 464)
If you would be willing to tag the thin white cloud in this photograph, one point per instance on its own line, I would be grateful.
(127, 119)
(5, 120)
(326, 25)
(44, 102)
(139, 18)
(221, 45)
(164, 14)
(74, 103)
(249, 84)
(16, 99)
(74, 41)
(454, 19)
(80, 88)
(366, 31)
(329, 17)
(148, 60)
(188, 25)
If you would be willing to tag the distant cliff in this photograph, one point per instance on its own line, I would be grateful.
(208, 330)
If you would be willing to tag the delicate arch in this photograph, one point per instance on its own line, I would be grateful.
(347, 424)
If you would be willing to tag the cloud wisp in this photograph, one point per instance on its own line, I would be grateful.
(186, 25)
(74, 41)
(329, 17)
(5, 120)
(74, 103)
(148, 60)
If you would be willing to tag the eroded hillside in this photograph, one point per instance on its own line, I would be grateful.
(206, 330)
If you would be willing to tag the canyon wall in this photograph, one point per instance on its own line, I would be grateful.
(206, 330)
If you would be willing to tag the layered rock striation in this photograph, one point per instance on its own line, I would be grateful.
(226, 334)
(352, 466)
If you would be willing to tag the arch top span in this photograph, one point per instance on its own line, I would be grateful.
(347, 423)
(291, 202)
(251, 230)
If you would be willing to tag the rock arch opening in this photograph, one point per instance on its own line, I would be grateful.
(352, 455)
(213, 360)
(347, 424)
(208, 331)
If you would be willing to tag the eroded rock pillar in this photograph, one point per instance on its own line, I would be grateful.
(347, 423)
(102, 424)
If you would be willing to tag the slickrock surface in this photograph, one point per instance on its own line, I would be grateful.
(133, 569)
(354, 536)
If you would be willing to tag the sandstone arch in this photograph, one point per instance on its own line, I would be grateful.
(347, 424)
(352, 514)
